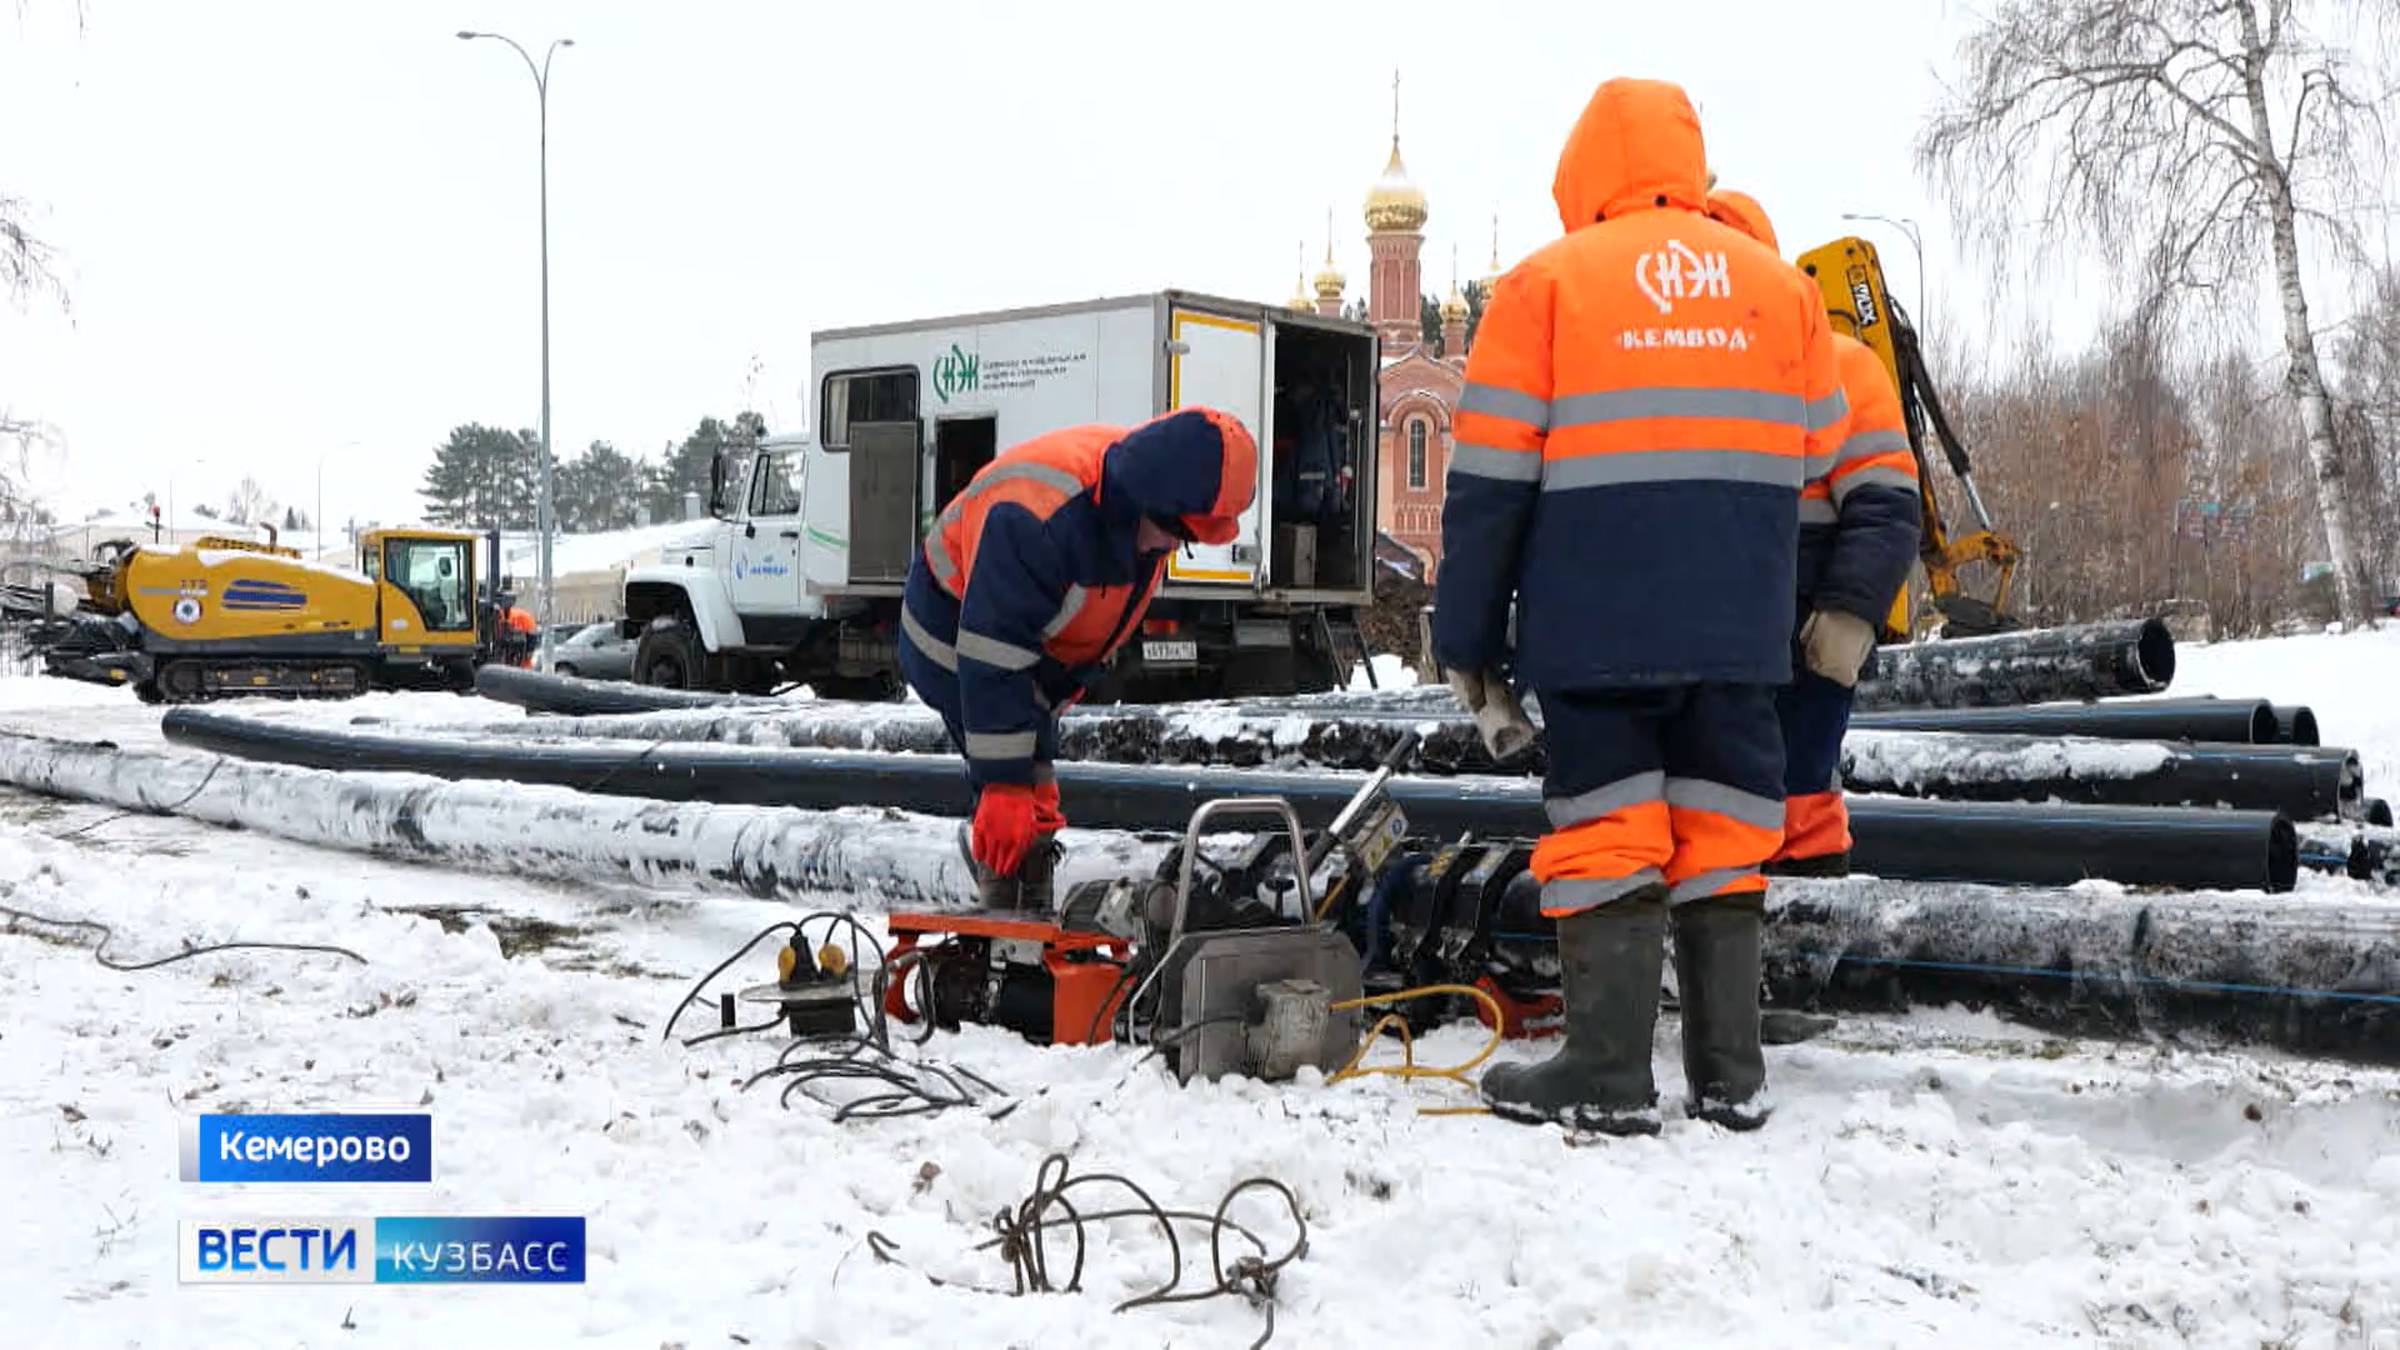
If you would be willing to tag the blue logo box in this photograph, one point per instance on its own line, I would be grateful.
(445, 1249)
(344, 1147)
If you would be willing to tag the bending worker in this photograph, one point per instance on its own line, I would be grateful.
(1859, 522)
(1642, 404)
(1030, 578)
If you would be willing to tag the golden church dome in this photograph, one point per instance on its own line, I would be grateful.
(1395, 203)
(1329, 280)
(1454, 306)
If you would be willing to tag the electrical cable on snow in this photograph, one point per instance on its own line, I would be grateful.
(108, 935)
(915, 1086)
(1022, 1240)
(146, 810)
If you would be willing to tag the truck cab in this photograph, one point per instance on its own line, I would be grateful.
(801, 578)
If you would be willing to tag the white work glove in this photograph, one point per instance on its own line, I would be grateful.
(1499, 718)
(1837, 644)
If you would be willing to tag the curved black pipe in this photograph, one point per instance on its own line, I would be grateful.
(2377, 811)
(2295, 724)
(2042, 665)
(2042, 845)
(2301, 782)
(2233, 721)
(537, 691)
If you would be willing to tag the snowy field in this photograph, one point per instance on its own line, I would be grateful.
(1943, 1178)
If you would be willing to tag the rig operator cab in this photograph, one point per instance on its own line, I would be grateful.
(801, 580)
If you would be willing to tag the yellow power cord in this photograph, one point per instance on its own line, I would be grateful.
(1408, 1066)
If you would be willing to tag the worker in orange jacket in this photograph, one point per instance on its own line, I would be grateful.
(1860, 519)
(1641, 407)
(1029, 580)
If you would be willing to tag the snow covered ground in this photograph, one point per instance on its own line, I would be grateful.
(1944, 1177)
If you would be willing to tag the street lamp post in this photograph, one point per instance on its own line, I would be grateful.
(542, 511)
(1916, 244)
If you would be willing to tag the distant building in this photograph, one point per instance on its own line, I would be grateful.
(1419, 389)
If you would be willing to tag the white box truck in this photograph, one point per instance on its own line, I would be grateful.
(801, 580)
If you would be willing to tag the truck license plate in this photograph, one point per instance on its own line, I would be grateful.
(1170, 653)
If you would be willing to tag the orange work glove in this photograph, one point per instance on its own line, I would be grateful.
(1004, 826)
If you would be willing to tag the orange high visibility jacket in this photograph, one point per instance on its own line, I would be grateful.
(1033, 576)
(1860, 518)
(1642, 406)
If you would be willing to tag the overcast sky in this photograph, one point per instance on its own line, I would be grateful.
(303, 234)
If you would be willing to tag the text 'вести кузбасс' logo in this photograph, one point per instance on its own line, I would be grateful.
(956, 371)
(416, 1249)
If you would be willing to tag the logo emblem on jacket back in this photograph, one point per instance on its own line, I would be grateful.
(1679, 272)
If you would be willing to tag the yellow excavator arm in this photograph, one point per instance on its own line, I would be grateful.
(1850, 275)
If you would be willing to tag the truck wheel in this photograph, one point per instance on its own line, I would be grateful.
(667, 657)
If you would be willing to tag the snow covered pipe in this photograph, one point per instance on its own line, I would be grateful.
(2233, 721)
(537, 691)
(546, 832)
(2295, 724)
(2315, 978)
(1962, 841)
(2302, 783)
(2368, 852)
(2040, 665)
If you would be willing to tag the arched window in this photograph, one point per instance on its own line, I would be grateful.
(1416, 454)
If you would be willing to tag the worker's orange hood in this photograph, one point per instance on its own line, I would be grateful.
(1742, 212)
(1636, 147)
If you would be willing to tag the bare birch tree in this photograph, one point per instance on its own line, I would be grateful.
(2184, 139)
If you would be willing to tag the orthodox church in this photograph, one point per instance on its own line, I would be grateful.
(1419, 387)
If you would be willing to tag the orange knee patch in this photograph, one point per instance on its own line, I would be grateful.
(1815, 825)
(1048, 817)
(1618, 844)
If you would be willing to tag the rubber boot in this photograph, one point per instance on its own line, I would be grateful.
(1716, 967)
(1822, 865)
(1600, 1078)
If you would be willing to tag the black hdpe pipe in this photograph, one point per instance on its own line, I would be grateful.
(2320, 979)
(2295, 724)
(2003, 842)
(2302, 783)
(2040, 665)
(2377, 811)
(2313, 979)
(2231, 721)
(536, 691)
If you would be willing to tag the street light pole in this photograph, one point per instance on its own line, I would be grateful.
(544, 517)
(1915, 242)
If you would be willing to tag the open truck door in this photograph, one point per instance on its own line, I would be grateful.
(1221, 362)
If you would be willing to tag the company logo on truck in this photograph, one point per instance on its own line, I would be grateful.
(956, 371)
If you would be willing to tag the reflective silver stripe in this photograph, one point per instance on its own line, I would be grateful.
(1516, 405)
(1564, 474)
(1483, 461)
(1878, 475)
(1706, 884)
(1007, 471)
(1699, 794)
(1000, 744)
(1617, 405)
(1824, 412)
(1631, 790)
(1067, 609)
(1865, 443)
(945, 568)
(937, 651)
(1818, 511)
(993, 652)
(1570, 894)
